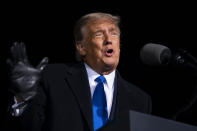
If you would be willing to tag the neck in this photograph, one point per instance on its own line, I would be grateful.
(102, 71)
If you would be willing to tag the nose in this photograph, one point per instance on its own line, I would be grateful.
(108, 39)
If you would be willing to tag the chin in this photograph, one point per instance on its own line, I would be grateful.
(110, 65)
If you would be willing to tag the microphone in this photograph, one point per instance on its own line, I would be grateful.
(153, 54)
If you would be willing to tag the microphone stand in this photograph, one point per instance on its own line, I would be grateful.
(185, 59)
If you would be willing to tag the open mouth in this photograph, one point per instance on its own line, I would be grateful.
(109, 52)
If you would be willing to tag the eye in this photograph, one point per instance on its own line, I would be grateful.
(99, 34)
(114, 33)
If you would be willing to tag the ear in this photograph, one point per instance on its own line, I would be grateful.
(81, 48)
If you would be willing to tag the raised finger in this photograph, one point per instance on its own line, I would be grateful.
(43, 63)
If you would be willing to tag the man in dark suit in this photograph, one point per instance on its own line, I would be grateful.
(65, 96)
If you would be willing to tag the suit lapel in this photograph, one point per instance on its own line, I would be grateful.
(112, 113)
(121, 101)
(78, 81)
(123, 98)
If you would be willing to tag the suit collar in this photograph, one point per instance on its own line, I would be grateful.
(123, 97)
(120, 97)
(78, 82)
(93, 75)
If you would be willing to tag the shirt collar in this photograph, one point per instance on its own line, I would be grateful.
(92, 75)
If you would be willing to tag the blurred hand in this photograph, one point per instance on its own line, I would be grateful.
(24, 76)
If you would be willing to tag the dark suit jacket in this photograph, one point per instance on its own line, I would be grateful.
(63, 101)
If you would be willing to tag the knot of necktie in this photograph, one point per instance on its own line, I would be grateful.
(100, 79)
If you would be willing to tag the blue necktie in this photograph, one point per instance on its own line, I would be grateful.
(100, 115)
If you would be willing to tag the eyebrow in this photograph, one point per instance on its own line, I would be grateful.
(100, 30)
(110, 30)
(113, 29)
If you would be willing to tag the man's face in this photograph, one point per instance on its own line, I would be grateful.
(101, 45)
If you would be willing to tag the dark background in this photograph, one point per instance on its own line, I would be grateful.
(47, 30)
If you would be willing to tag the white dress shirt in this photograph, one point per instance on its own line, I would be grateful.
(108, 85)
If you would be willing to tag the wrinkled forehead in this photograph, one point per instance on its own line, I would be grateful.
(97, 24)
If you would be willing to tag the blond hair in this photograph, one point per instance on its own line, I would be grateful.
(91, 17)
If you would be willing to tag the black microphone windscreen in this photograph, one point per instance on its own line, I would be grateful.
(155, 54)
